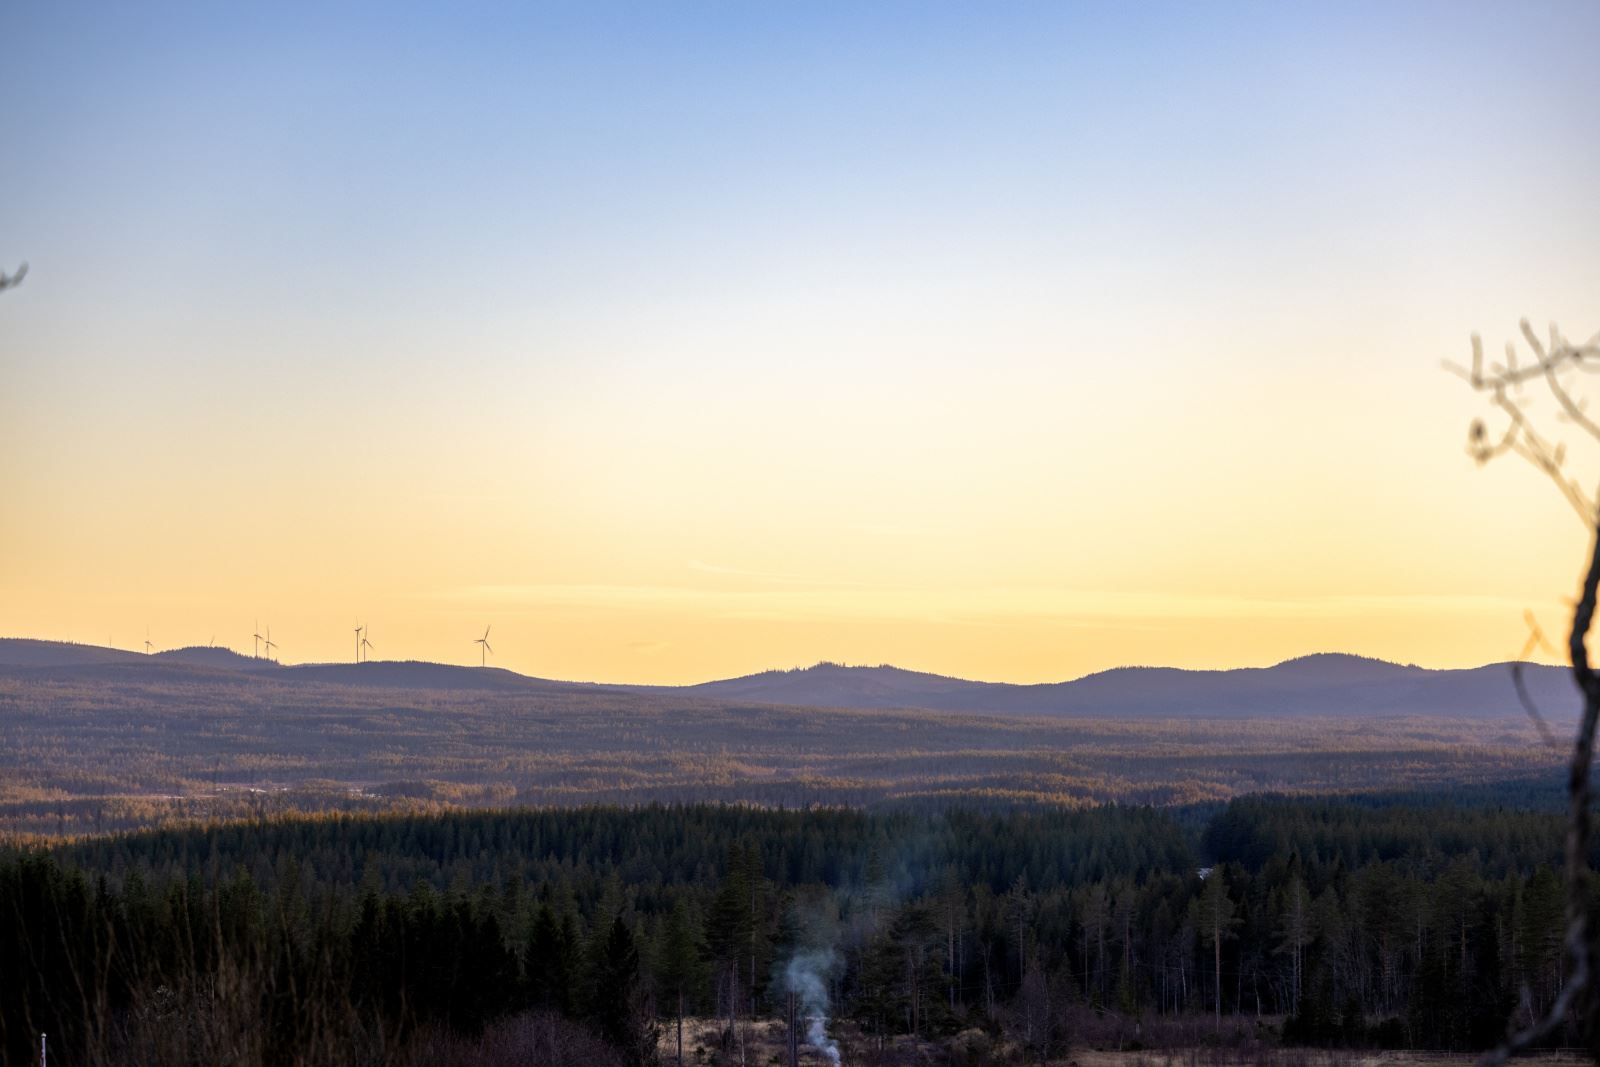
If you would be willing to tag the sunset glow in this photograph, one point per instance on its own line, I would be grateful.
(684, 347)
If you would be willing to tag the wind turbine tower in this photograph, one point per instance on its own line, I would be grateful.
(365, 645)
(270, 644)
(257, 636)
(147, 645)
(359, 629)
(484, 649)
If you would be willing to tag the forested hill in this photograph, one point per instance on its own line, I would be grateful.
(92, 741)
(1320, 685)
(60, 661)
(1328, 684)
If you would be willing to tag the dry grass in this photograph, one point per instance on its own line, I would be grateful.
(763, 1044)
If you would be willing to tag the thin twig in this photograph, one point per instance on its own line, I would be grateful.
(1521, 438)
(1536, 640)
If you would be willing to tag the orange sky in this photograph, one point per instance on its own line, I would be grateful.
(950, 352)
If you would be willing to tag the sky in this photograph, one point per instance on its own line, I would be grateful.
(685, 340)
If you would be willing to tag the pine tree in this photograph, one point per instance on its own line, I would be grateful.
(619, 1012)
(547, 964)
(725, 934)
(1215, 920)
(1294, 930)
(678, 965)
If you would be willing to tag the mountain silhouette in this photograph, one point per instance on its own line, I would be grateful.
(1328, 684)
(1322, 684)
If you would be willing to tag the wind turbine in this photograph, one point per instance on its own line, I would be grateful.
(365, 644)
(270, 643)
(483, 652)
(147, 645)
(257, 636)
(359, 628)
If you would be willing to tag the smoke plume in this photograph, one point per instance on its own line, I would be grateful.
(806, 976)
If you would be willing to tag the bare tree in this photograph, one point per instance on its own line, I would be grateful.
(1556, 368)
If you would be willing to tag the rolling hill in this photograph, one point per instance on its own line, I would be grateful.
(96, 739)
(1320, 685)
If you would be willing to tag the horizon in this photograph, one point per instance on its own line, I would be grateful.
(800, 668)
(668, 342)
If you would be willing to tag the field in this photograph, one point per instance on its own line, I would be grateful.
(1248, 1043)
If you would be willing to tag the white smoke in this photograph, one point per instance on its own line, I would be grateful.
(806, 976)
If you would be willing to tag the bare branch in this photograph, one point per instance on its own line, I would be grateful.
(11, 281)
(1520, 437)
(1503, 384)
(1536, 640)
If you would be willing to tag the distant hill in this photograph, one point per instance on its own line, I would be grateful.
(94, 739)
(833, 685)
(1318, 685)
(1327, 684)
(210, 656)
(416, 674)
(62, 660)
(23, 652)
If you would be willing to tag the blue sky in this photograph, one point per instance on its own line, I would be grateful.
(627, 296)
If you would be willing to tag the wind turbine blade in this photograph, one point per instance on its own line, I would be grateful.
(488, 646)
(486, 633)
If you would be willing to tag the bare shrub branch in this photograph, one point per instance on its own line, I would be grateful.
(1555, 363)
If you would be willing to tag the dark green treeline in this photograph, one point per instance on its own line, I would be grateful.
(302, 940)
